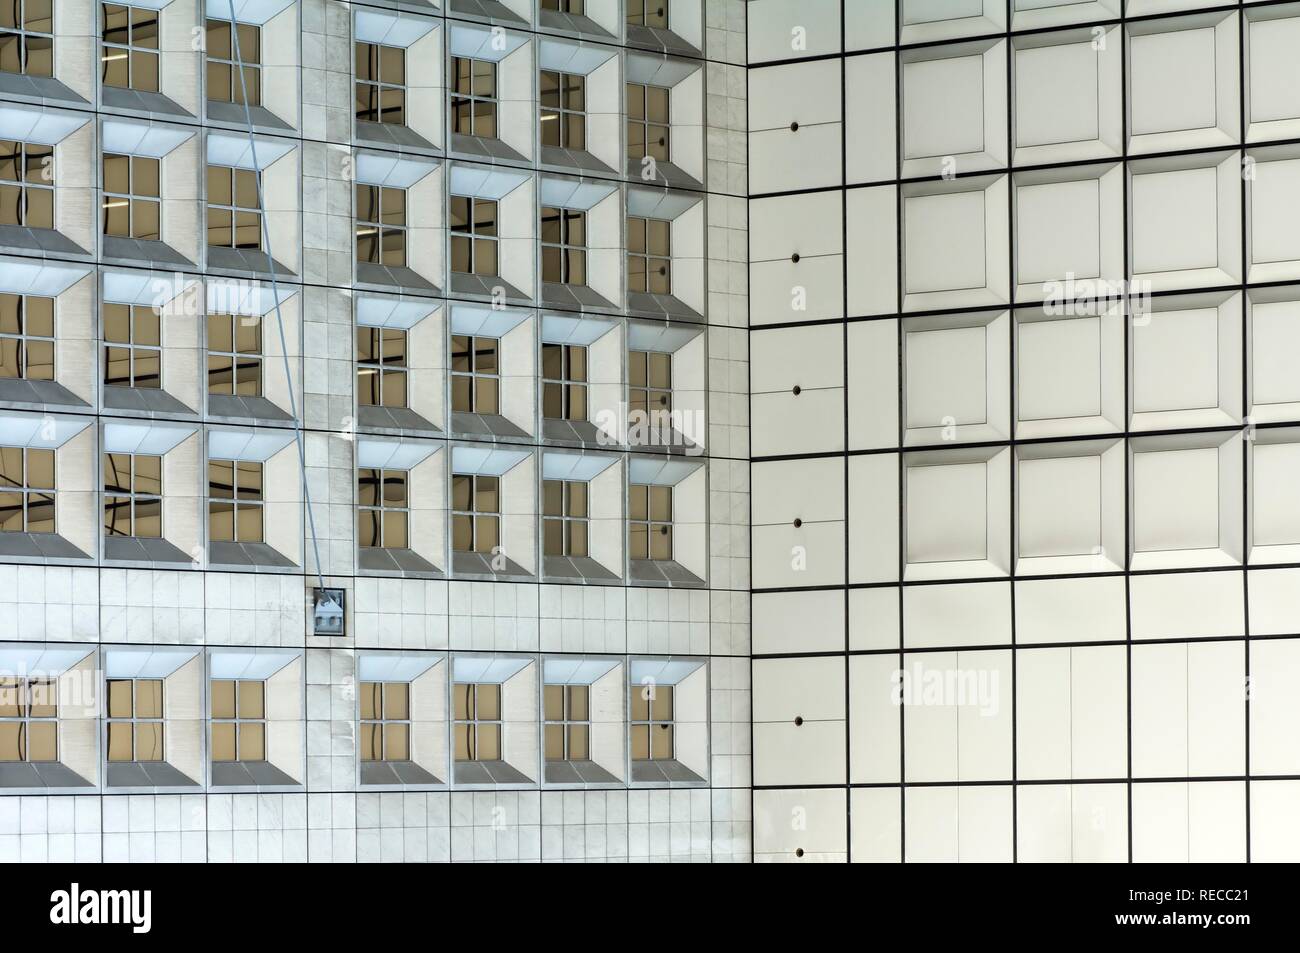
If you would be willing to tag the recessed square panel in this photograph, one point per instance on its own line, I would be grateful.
(1172, 81)
(1056, 94)
(1274, 344)
(1185, 356)
(957, 513)
(954, 102)
(955, 378)
(1060, 506)
(1273, 188)
(1185, 221)
(1186, 498)
(1183, 83)
(1175, 361)
(1177, 500)
(1058, 231)
(1069, 369)
(1175, 220)
(946, 381)
(1068, 96)
(1275, 494)
(1272, 73)
(955, 244)
(1059, 368)
(943, 107)
(945, 242)
(946, 512)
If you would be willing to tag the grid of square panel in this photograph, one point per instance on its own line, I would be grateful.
(1025, 319)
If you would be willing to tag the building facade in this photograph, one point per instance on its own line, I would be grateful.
(1024, 313)
(439, 304)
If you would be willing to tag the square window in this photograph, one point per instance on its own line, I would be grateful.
(1183, 83)
(957, 513)
(1186, 501)
(954, 108)
(956, 378)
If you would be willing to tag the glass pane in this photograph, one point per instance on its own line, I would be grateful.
(462, 488)
(119, 741)
(661, 502)
(251, 700)
(554, 742)
(485, 355)
(12, 741)
(489, 742)
(396, 701)
(395, 532)
(40, 469)
(486, 495)
(223, 741)
(487, 698)
(42, 697)
(640, 695)
(461, 748)
(252, 741)
(661, 542)
(119, 698)
(579, 747)
(553, 497)
(11, 697)
(369, 698)
(223, 698)
(486, 392)
(577, 538)
(486, 534)
(248, 523)
(461, 399)
(397, 743)
(552, 537)
(149, 741)
(370, 741)
(553, 702)
(661, 706)
(640, 743)
(661, 742)
(578, 699)
(149, 698)
(463, 701)
(42, 741)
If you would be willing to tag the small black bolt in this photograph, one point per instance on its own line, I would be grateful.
(797, 522)
(798, 852)
(795, 258)
(794, 127)
(798, 722)
(797, 390)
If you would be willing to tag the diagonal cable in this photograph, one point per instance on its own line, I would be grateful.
(275, 293)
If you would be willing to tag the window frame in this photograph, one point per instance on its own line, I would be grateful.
(641, 382)
(377, 370)
(237, 503)
(134, 720)
(28, 185)
(135, 200)
(239, 359)
(238, 720)
(252, 73)
(643, 247)
(473, 723)
(26, 491)
(566, 724)
(474, 515)
(21, 686)
(490, 379)
(381, 720)
(567, 251)
(129, 48)
(25, 340)
(566, 521)
(565, 385)
(639, 118)
(381, 228)
(473, 235)
(375, 81)
(133, 349)
(25, 34)
(648, 521)
(130, 496)
(561, 112)
(379, 507)
(241, 216)
(466, 98)
(636, 722)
